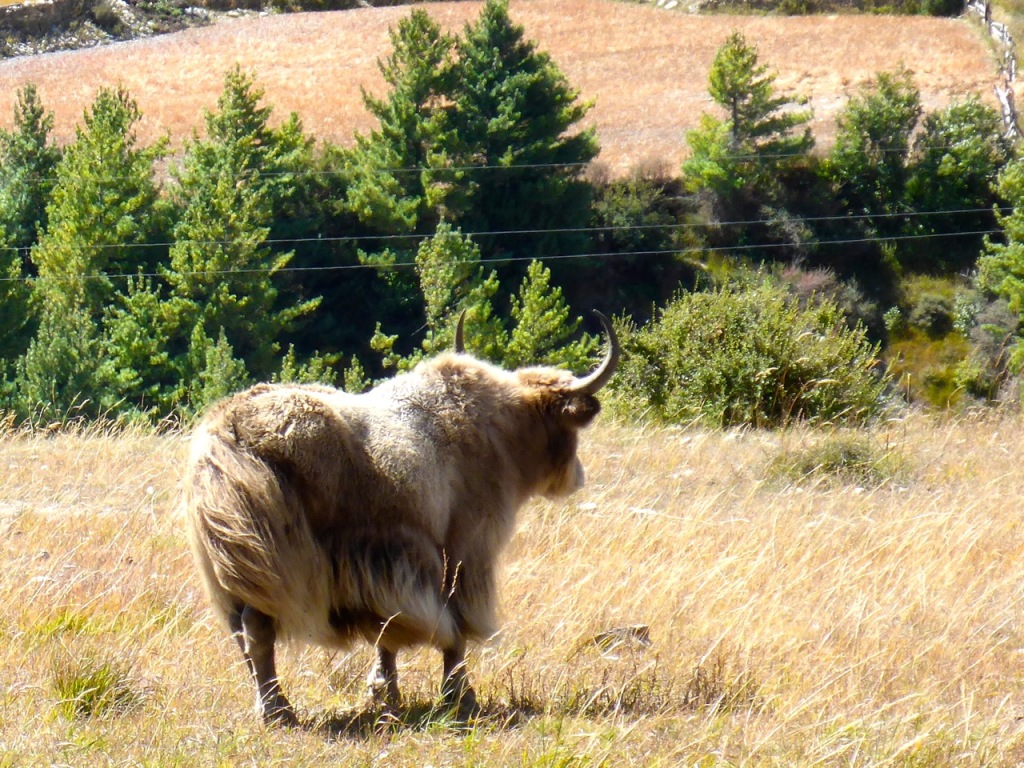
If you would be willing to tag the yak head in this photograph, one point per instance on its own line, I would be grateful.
(554, 405)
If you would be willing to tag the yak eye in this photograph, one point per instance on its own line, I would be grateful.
(580, 411)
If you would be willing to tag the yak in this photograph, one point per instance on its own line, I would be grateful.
(320, 516)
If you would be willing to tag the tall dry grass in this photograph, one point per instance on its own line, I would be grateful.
(694, 605)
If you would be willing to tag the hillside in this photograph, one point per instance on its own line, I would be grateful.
(645, 68)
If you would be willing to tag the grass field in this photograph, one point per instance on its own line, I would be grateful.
(791, 622)
(644, 68)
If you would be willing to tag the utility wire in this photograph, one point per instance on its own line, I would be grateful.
(493, 260)
(417, 237)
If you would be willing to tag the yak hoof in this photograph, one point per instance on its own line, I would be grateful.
(384, 693)
(279, 713)
(460, 700)
(383, 689)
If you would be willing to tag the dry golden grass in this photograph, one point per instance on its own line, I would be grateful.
(815, 623)
(645, 68)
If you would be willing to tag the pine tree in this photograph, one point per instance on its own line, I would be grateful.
(103, 212)
(757, 141)
(137, 366)
(218, 372)
(480, 132)
(57, 379)
(451, 280)
(102, 216)
(758, 119)
(27, 164)
(543, 328)
(389, 187)
(388, 171)
(14, 297)
(222, 271)
(516, 122)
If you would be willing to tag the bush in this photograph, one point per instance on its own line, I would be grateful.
(929, 370)
(990, 327)
(749, 356)
(106, 18)
(933, 314)
(942, 7)
(810, 286)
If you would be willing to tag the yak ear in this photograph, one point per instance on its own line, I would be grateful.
(580, 410)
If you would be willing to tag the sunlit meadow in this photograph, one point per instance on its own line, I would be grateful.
(711, 598)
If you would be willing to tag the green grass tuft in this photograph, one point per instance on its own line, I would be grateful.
(852, 459)
(91, 687)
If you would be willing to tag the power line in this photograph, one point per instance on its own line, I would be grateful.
(495, 259)
(419, 237)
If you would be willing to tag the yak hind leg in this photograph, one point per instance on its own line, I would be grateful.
(456, 692)
(256, 634)
(383, 679)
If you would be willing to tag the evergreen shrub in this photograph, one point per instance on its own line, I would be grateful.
(748, 356)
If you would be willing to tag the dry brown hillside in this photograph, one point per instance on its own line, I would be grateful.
(645, 68)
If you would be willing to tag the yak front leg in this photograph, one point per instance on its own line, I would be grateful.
(456, 692)
(256, 637)
(383, 679)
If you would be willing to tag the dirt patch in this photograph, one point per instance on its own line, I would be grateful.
(645, 68)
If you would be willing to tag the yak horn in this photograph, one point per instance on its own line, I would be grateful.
(591, 383)
(460, 342)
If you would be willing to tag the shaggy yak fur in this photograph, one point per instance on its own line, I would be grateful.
(324, 517)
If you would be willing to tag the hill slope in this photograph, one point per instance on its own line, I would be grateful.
(645, 68)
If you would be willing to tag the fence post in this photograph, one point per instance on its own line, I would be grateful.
(1007, 66)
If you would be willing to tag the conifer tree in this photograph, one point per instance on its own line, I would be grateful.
(102, 214)
(222, 271)
(542, 327)
(516, 122)
(388, 168)
(451, 280)
(27, 163)
(101, 219)
(219, 372)
(480, 131)
(757, 116)
(760, 136)
(14, 295)
(57, 378)
(387, 174)
(137, 367)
